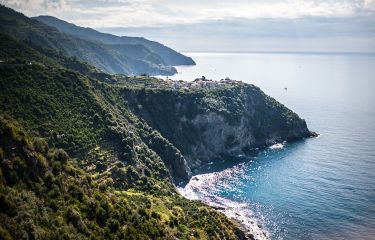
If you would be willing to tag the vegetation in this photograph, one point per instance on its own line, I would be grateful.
(82, 165)
(110, 57)
(45, 195)
(89, 155)
(135, 47)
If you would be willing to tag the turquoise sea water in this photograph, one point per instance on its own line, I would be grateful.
(320, 188)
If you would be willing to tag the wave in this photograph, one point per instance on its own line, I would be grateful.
(277, 145)
(203, 187)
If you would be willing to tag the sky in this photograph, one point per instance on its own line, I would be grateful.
(196, 25)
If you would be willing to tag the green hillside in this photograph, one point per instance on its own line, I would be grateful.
(153, 49)
(111, 59)
(117, 182)
(89, 155)
(45, 195)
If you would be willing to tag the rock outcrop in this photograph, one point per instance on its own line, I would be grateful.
(208, 124)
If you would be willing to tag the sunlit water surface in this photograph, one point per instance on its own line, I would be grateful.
(321, 188)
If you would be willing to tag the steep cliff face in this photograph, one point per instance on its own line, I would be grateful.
(206, 125)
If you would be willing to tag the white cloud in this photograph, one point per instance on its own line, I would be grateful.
(136, 13)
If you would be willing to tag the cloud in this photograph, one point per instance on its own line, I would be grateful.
(210, 25)
(140, 13)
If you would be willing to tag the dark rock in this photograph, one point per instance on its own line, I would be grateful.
(314, 134)
(222, 122)
(240, 234)
(218, 208)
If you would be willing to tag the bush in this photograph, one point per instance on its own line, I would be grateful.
(40, 145)
(155, 215)
(143, 212)
(58, 155)
(113, 225)
(4, 234)
(75, 218)
(1, 154)
(101, 216)
(42, 161)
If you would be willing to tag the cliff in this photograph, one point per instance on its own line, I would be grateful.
(85, 154)
(206, 124)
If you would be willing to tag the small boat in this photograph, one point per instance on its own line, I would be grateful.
(285, 88)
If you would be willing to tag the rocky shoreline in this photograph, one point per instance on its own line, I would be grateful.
(249, 226)
(250, 229)
(198, 188)
(212, 124)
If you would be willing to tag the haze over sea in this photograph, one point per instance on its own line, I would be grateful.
(319, 188)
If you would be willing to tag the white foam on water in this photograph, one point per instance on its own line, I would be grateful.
(277, 146)
(203, 187)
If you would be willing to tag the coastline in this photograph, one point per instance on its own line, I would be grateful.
(198, 188)
(201, 187)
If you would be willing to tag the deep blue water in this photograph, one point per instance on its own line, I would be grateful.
(320, 188)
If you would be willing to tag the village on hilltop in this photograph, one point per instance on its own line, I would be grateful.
(201, 82)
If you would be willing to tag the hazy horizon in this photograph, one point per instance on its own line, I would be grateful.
(225, 26)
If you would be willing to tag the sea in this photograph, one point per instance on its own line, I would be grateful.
(317, 188)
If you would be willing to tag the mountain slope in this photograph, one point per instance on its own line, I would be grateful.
(45, 195)
(192, 126)
(98, 54)
(169, 56)
(78, 112)
(119, 184)
(89, 155)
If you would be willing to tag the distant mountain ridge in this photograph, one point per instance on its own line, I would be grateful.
(170, 56)
(130, 59)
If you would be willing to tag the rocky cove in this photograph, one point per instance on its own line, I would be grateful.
(198, 188)
(216, 124)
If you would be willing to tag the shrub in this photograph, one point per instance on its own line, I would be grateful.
(101, 216)
(56, 167)
(113, 225)
(58, 155)
(4, 234)
(155, 215)
(75, 218)
(40, 145)
(142, 212)
(42, 161)
(1, 154)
